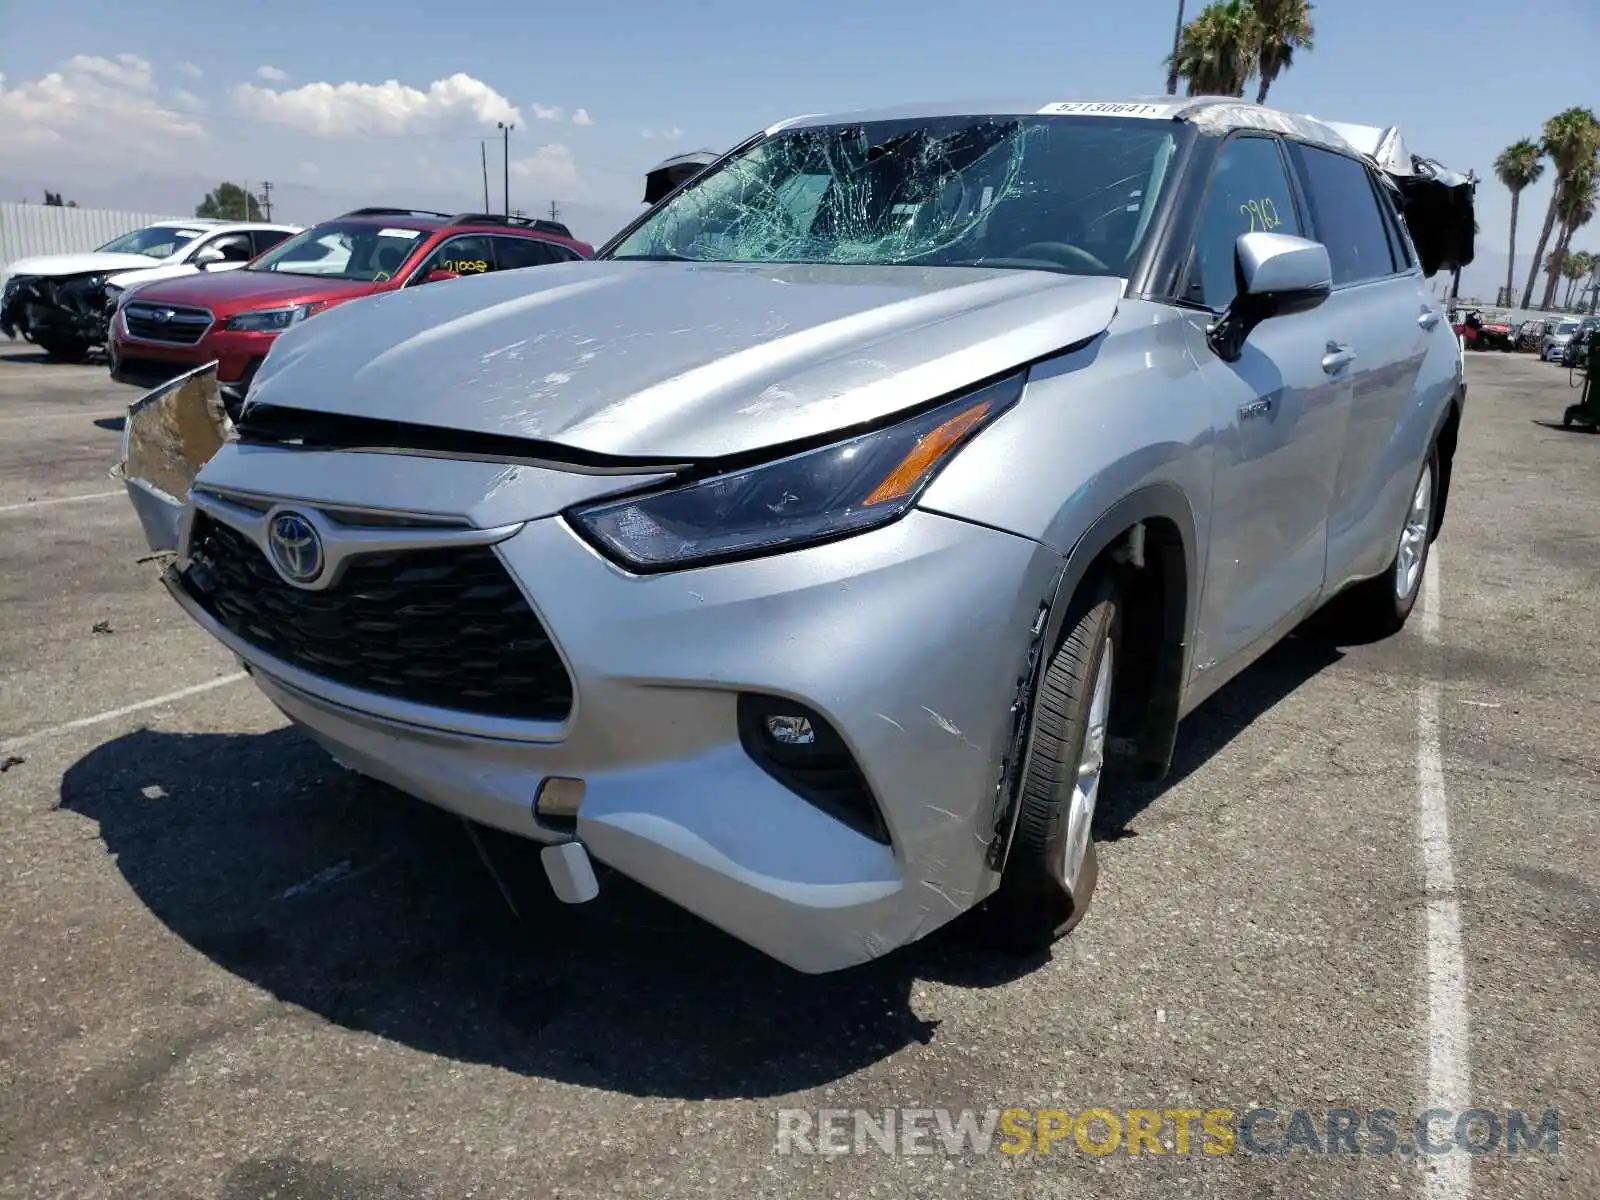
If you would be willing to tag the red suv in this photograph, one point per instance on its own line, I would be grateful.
(170, 326)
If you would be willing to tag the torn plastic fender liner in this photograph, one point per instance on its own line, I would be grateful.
(168, 435)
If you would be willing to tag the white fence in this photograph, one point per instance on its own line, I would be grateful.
(29, 229)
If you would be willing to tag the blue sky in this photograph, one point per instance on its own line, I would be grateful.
(96, 98)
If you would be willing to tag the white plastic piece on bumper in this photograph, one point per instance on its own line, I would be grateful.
(570, 872)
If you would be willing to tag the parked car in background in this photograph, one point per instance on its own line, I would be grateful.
(1531, 333)
(1555, 341)
(63, 302)
(820, 554)
(1497, 333)
(1576, 348)
(165, 328)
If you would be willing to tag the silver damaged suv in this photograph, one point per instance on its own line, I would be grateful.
(819, 554)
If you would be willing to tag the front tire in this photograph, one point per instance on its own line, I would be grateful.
(1052, 868)
(1379, 607)
(62, 349)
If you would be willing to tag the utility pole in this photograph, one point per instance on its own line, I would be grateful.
(555, 213)
(266, 199)
(505, 139)
(483, 153)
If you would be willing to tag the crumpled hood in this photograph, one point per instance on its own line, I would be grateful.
(691, 360)
(54, 266)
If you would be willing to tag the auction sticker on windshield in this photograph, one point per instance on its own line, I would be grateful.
(408, 234)
(1103, 108)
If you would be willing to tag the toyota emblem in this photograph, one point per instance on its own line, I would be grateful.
(296, 547)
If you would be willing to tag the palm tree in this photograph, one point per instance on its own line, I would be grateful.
(1575, 269)
(1518, 166)
(1574, 209)
(1569, 139)
(1218, 51)
(1283, 26)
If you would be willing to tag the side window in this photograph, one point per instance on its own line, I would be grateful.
(1345, 212)
(1248, 193)
(266, 239)
(472, 254)
(514, 253)
(234, 247)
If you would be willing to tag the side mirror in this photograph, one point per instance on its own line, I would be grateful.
(439, 275)
(208, 255)
(1279, 275)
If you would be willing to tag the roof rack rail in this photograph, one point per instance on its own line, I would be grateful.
(394, 212)
(535, 223)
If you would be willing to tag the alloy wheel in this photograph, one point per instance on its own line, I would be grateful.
(1086, 781)
(1409, 561)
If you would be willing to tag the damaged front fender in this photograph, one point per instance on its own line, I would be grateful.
(167, 436)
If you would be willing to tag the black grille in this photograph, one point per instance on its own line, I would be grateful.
(443, 627)
(184, 327)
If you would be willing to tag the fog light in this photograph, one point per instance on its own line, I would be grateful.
(558, 801)
(789, 730)
(801, 750)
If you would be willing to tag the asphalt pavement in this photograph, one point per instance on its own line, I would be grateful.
(235, 971)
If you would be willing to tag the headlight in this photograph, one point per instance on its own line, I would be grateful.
(272, 320)
(810, 497)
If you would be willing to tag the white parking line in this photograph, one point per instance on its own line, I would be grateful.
(65, 414)
(40, 735)
(1449, 1078)
(5, 508)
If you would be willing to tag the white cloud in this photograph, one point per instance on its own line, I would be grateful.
(94, 108)
(189, 69)
(271, 74)
(308, 168)
(550, 169)
(329, 109)
(184, 98)
(581, 116)
(671, 134)
(543, 112)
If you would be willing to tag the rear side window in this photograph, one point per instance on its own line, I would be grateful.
(1399, 243)
(1344, 209)
(472, 254)
(1248, 193)
(514, 253)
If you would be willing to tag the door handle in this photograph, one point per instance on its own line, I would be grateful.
(1429, 318)
(1337, 356)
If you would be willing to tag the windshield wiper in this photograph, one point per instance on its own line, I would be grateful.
(670, 256)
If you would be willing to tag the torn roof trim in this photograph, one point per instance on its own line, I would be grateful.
(1214, 114)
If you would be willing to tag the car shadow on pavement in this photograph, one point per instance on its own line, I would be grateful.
(341, 896)
(1236, 706)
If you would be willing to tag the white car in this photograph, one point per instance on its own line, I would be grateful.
(63, 302)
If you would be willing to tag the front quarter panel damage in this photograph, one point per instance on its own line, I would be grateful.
(169, 434)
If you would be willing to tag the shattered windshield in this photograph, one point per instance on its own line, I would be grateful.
(1071, 194)
(158, 241)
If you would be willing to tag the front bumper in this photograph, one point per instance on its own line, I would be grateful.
(237, 356)
(910, 640)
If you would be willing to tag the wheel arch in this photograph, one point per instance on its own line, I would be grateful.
(1147, 541)
(1446, 434)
